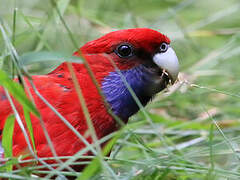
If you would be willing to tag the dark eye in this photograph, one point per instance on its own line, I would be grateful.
(124, 50)
(163, 47)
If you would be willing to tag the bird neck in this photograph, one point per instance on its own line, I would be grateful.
(114, 87)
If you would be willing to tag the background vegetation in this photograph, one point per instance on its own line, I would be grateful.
(193, 131)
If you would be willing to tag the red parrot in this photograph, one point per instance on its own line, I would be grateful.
(145, 59)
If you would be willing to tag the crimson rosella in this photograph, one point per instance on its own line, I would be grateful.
(143, 57)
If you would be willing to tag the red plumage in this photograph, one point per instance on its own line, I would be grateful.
(58, 88)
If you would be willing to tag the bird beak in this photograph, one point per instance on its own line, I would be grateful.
(168, 62)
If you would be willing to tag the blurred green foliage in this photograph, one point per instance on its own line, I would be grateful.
(205, 35)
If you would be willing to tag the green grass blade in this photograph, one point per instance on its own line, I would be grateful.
(29, 127)
(35, 62)
(17, 92)
(90, 170)
(7, 139)
(47, 56)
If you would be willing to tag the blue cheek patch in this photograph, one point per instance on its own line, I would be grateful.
(119, 97)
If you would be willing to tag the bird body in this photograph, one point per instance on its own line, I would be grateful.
(136, 53)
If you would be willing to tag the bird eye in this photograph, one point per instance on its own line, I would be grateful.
(124, 50)
(163, 47)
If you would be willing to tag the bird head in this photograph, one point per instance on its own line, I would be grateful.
(142, 56)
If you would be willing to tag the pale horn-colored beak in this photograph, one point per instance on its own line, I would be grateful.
(168, 62)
